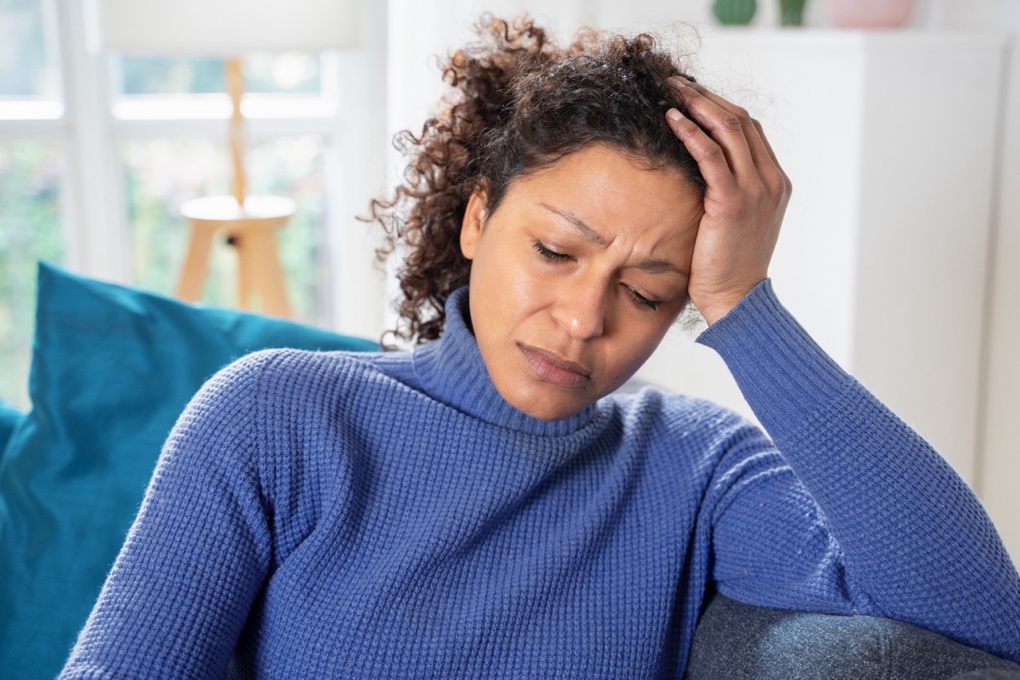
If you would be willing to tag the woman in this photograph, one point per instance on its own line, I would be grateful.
(480, 506)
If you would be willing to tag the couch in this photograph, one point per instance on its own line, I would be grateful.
(111, 369)
(738, 641)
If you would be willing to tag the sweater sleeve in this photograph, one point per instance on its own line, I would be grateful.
(197, 554)
(896, 532)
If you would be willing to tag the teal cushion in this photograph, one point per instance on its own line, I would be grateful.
(9, 419)
(112, 367)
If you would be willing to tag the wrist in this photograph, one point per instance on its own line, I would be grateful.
(715, 312)
(721, 305)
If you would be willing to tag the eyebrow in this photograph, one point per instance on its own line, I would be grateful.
(650, 266)
(586, 231)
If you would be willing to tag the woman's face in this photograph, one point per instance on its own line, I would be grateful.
(577, 275)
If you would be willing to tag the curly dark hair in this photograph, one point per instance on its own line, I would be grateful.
(519, 104)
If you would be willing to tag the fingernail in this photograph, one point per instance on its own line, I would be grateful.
(674, 116)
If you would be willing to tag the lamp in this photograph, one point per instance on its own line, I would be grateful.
(229, 28)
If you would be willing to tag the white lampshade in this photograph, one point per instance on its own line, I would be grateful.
(221, 27)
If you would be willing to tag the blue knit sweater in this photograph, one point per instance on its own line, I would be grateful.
(390, 515)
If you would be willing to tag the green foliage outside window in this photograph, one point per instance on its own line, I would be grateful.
(31, 175)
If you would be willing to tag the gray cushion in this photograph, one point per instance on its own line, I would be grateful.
(737, 641)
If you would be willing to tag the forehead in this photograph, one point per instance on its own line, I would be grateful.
(612, 190)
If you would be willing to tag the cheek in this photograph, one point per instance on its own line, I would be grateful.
(637, 341)
(527, 289)
(503, 294)
(513, 286)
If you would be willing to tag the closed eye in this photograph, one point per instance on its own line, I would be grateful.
(550, 254)
(642, 300)
(636, 297)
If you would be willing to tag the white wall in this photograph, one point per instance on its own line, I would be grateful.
(940, 14)
(1000, 468)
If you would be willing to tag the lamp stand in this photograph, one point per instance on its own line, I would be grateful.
(250, 224)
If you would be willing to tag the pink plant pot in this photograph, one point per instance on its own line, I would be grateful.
(870, 13)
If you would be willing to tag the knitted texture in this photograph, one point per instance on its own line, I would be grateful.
(390, 515)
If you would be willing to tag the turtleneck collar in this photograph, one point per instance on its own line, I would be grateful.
(453, 371)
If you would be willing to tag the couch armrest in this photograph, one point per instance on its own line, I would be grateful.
(737, 641)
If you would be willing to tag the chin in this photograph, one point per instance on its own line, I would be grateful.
(551, 407)
(551, 414)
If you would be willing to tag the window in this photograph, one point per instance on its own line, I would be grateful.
(98, 151)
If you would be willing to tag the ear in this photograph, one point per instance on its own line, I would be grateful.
(474, 220)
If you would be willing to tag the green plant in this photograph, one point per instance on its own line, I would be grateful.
(791, 12)
(734, 11)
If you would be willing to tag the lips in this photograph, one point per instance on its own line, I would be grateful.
(553, 369)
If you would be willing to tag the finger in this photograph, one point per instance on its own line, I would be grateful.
(765, 142)
(706, 152)
(765, 159)
(749, 124)
(723, 126)
(761, 151)
(776, 178)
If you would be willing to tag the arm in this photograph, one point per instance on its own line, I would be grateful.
(198, 553)
(899, 533)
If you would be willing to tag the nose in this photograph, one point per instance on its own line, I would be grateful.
(581, 309)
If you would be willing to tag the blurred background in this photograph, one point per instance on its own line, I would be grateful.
(901, 253)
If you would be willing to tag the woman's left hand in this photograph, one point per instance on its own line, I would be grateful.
(745, 199)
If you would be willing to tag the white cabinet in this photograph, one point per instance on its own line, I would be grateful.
(890, 141)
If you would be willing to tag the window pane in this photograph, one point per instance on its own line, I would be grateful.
(31, 180)
(162, 174)
(290, 72)
(286, 73)
(293, 167)
(161, 75)
(27, 67)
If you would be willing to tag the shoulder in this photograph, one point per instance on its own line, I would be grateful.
(307, 363)
(676, 411)
(693, 432)
(287, 413)
(693, 448)
(298, 370)
(271, 383)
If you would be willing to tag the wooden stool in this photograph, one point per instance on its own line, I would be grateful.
(250, 228)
